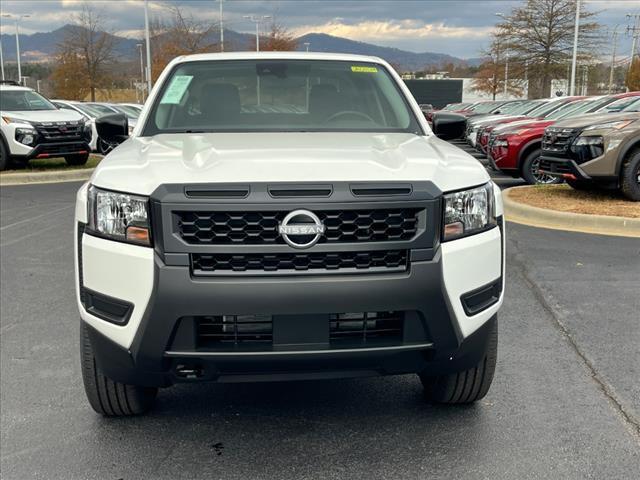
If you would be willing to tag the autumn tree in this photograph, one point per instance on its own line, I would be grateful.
(182, 34)
(85, 54)
(633, 77)
(540, 33)
(68, 77)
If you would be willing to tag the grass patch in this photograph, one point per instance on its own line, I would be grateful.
(52, 164)
(563, 198)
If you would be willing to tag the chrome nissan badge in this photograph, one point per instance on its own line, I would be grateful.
(301, 229)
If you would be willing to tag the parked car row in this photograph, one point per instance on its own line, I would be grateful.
(34, 127)
(512, 136)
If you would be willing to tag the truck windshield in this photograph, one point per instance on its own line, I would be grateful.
(23, 100)
(280, 96)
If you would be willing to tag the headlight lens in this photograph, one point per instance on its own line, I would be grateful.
(500, 142)
(617, 125)
(468, 212)
(119, 216)
(26, 136)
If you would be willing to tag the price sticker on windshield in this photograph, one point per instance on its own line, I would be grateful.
(173, 95)
(363, 69)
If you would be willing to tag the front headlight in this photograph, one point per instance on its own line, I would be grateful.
(468, 212)
(119, 216)
(26, 136)
(608, 125)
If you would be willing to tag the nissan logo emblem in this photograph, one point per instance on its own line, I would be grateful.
(301, 229)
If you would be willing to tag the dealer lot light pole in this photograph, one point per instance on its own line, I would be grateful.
(574, 58)
(17, 19)
(257, 19)
(146, 37)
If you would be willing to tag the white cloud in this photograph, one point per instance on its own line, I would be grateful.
(393, 30)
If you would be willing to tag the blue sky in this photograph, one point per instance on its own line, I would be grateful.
(456, 27)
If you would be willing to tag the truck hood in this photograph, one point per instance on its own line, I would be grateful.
(45, 115)
(141, 164)
(596, 118)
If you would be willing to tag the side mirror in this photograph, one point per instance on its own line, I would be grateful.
(113, 128)
(449, 126)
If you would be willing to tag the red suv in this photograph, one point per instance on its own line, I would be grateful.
(515, 148)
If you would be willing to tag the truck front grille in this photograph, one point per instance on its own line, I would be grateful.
(221, 263)
(220, 330)
(366, 327)
(256, 332)
(259, 228)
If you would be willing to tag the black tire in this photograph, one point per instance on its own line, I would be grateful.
(78, 159)
(4, 157)
(529, 171)
(630, 176)
(581, 185)
(467, 386)
(109, 398)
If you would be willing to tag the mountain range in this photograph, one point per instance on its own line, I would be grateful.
(39, 47)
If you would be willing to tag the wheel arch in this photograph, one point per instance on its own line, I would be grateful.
(629, 146)
(530, 146)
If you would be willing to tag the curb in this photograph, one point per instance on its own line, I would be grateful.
(573, 222)
(76, 175)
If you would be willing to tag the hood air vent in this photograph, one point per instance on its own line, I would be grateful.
(381, 190)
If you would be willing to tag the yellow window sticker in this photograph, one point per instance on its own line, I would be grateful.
(361, 69)
(173, 95)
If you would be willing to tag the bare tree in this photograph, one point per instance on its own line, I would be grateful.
(90, 48)
(182, 35)
(279, 39)
(540, 34)
(490, 78)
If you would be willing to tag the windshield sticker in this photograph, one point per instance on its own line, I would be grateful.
(173, 95)
(361, 69)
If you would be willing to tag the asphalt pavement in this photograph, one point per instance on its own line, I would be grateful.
(565, 402)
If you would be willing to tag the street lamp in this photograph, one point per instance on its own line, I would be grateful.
(139, 45)
(17, 20)
(506, 62)
(306, 44)
(576, 30)
(257, 19)
(221, 28)
(146, 37)
(1, 60)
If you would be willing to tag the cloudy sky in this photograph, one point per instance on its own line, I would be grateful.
(455, 27)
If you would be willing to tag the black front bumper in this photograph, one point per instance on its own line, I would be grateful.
(562, 167)
(53, 150)
(163, 353)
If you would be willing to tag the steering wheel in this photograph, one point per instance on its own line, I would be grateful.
(349, 112)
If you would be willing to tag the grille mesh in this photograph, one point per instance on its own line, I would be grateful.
(255, 228)
(366, 327)
(557, 139)
(204, 264)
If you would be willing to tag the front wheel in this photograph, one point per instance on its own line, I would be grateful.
(630, 181)
(469, 385)
(76, 160)
(531, 171)
(107, 397)
(4, 157)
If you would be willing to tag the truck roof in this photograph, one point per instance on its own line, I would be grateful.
(5, 86)
(278, 56)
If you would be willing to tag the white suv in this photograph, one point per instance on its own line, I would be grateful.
(284, 216)
(32, 127)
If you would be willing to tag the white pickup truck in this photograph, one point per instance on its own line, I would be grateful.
(285, 216)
